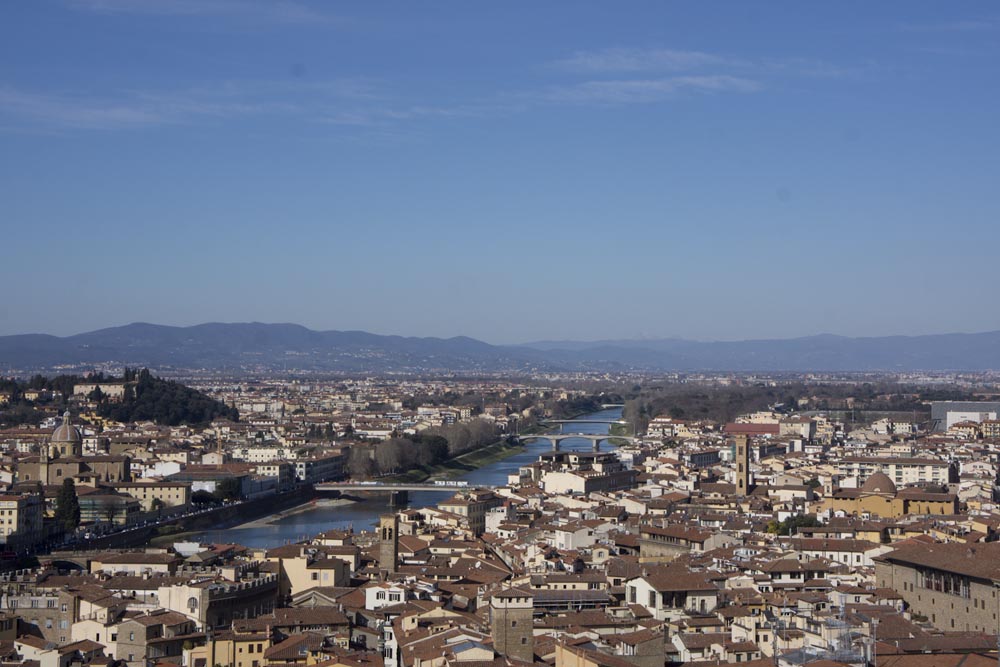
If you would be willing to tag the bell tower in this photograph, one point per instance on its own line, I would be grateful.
(388, 550)
(742, 465)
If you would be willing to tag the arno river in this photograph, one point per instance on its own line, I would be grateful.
(364, 514)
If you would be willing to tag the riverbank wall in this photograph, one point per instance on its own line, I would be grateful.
(226, 516)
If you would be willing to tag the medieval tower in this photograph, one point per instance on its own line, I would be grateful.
(511, 612)
(388, 551)
(742, 465)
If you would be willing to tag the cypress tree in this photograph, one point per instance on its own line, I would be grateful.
(68, 506)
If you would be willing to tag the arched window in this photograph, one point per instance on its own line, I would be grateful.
(192, 604)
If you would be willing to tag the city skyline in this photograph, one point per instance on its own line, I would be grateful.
(567, 172)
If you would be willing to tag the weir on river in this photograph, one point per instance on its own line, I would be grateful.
(362, 515)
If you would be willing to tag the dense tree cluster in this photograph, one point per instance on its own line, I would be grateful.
(164, 402)
(425, 449)
(229, 488)
(722, 404)
(67, 506)
(146, 398)
(791, 525)
(578, 405)
(316, 432)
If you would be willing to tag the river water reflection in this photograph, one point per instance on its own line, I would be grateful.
(364, 514)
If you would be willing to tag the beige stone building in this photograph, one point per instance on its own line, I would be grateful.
(63, 457)
(20, 520)
(473, 507)
(953, 585)
(878, 496)
(156, 495)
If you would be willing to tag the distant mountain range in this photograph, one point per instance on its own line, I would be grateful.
(290, 346)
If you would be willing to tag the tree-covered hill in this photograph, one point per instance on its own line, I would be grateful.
(146, 397)
(164, 402)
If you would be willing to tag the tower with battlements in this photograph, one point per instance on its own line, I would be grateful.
(511, 613)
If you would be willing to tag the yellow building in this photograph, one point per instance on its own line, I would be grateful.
(878, 496)
(156, 495)
(231, 648)
(967, 429)
(990, 428)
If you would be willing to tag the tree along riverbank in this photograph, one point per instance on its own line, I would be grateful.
(498, 451)
(475, 459)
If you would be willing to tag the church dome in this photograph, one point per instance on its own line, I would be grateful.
(66, 432)
(879, 483)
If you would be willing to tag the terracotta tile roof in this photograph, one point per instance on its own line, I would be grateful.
(979, 561)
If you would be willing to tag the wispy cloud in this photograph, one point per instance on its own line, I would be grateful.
(649, 75)
(644, 91)
(132, 109)
(639, 60)
(374, 115)
(961, 26)
(608, 77)
(653, 60)
(75, 112)
(257, 10)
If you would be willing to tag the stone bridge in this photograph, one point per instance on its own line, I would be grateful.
(595, 438)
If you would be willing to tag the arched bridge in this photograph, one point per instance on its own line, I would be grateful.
(66, 561)
(399, 493)
(390, 486)
(595, 438)
(620, 422)
(75, 560)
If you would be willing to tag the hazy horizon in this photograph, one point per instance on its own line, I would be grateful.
(525, 341)
(515, 172)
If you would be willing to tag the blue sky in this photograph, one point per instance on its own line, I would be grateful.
(509, 171)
